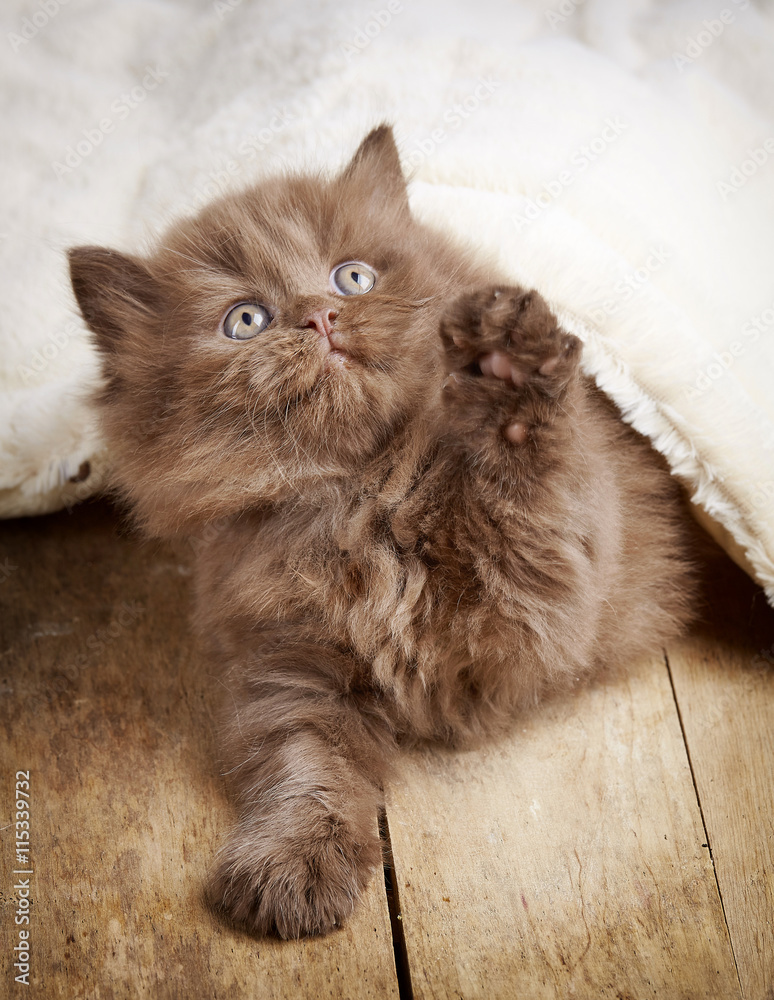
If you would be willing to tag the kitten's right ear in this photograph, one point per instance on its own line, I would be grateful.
(115, 292)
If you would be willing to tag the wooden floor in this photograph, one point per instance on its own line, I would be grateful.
(620, 845)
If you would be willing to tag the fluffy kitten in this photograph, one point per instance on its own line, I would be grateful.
(416, 515)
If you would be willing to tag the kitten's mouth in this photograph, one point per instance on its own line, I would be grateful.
(333, 351)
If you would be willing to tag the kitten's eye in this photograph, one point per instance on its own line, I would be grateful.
(353, 278)
(246, 321)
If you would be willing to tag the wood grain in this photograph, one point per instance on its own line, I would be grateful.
(106, 703)
(724, 683)
(568, 861)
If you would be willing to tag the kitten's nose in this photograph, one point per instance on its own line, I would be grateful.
(322, 320)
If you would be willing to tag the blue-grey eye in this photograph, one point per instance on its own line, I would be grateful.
(353, 278)
(246, 321)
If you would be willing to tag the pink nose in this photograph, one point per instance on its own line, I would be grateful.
(322, 320)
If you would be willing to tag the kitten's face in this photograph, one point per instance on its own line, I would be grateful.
(282, 336)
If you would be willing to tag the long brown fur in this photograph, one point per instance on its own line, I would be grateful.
(414, 541)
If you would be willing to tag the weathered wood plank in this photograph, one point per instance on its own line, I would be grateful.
(567, 861)
(724, 683)
(107, 705)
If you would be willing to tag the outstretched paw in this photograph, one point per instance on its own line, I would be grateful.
(292, 880)
(505, 349)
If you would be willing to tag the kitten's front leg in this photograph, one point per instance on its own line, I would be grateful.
(510, 369)
(306, 758)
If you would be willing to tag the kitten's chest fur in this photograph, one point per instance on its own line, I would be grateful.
(411, 571)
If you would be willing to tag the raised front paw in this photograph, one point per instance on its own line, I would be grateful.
(293, 878)
(509, 334)
(505, 350)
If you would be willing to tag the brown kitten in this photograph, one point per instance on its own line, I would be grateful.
(426, 517)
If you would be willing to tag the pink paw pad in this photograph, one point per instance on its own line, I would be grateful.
(516, 432)
(549, 367)
(499, 365)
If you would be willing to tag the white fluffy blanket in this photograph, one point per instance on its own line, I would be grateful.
(618, 156)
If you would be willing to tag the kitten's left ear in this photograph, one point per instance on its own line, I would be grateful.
(115, 292)
(375, 169)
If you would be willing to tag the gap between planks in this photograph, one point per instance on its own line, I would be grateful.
(402, 967)
(701, 814)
